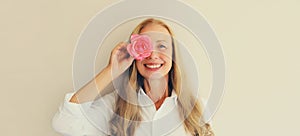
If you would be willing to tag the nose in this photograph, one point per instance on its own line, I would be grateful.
(154, 55)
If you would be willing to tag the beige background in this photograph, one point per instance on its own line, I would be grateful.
(260, 41)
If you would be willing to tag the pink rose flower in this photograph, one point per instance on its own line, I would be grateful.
(140, 46)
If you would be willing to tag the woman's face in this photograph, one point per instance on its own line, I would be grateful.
(159, 63)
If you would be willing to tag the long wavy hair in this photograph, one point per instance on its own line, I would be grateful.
(128, 114)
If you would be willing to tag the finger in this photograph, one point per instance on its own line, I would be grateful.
(122, 44)
(118, 48)
(130, 58)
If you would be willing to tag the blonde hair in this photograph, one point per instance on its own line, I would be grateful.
(127, 115)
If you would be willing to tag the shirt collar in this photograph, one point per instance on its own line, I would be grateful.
(144, 99)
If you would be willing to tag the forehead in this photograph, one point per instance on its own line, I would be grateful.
(156, 32)
(156, 28)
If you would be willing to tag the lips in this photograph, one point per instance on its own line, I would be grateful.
(153, 66)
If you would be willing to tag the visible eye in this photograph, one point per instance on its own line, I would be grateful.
(161, 46)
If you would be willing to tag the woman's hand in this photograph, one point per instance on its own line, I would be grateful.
(120, 59)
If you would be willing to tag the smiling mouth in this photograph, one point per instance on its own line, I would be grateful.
(153, 66)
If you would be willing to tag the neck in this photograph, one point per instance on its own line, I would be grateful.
(157, 89)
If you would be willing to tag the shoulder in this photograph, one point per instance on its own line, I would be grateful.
(206, 111)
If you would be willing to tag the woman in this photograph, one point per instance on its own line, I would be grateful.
(148, 99)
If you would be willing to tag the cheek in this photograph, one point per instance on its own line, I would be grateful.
(169, 59)
(139, 65)
(168, 56)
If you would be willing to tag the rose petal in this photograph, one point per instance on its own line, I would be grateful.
(140, 46)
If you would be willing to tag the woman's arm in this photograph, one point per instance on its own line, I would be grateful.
(90, 91)
(75, 119)
(120, 60)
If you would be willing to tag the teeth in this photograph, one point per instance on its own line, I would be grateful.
(153, 66)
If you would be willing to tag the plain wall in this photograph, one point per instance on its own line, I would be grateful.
(260, 40)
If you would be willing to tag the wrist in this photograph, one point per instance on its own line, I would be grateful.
(110, 72)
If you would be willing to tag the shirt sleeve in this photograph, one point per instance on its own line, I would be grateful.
(86, 119)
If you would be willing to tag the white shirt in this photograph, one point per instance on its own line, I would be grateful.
(92, 118)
